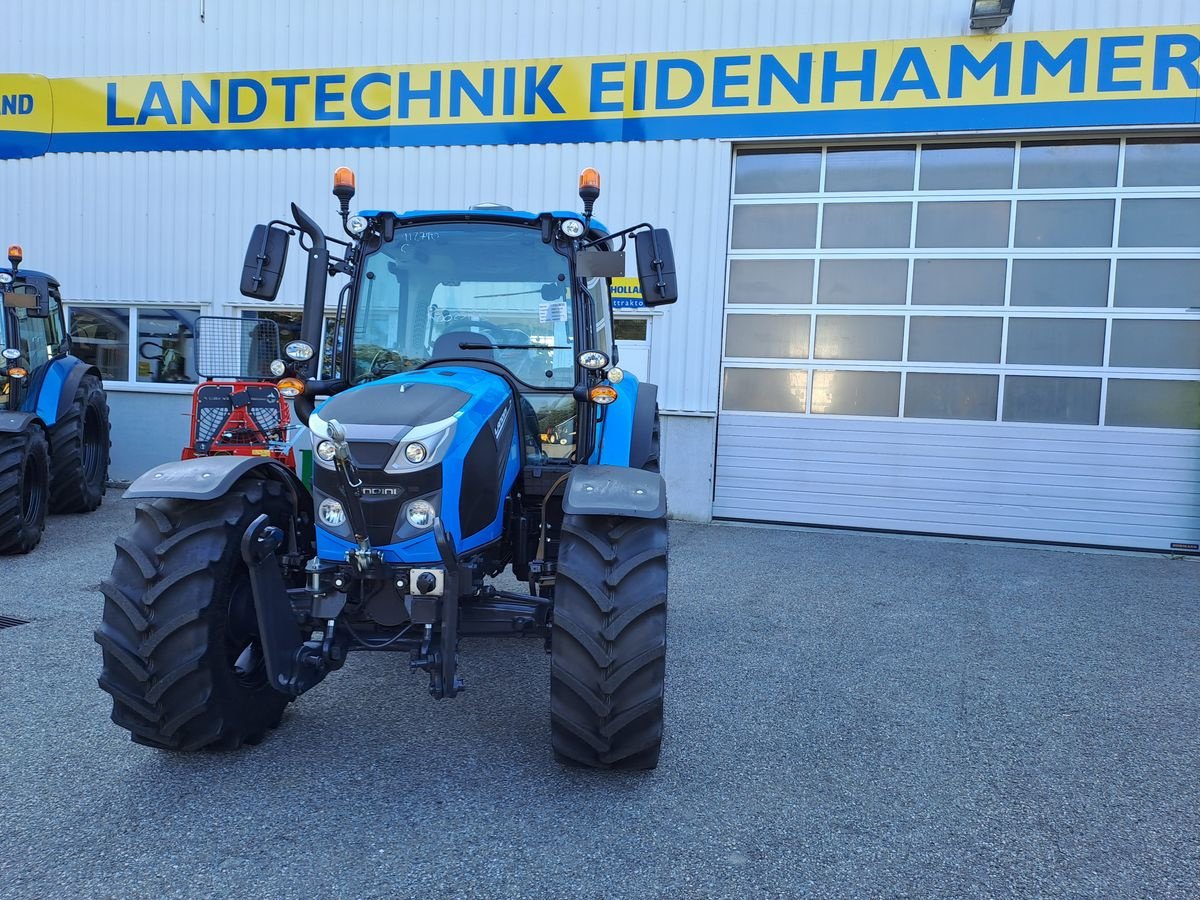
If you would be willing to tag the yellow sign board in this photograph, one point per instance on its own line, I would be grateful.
(1133, 76)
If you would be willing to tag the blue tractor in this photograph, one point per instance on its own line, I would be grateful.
(54, 444)
(461, 338)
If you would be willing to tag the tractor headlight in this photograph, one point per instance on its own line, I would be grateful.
(422, 447)
(593, 359)
(300, 351)
(11, 353)
(356, 225)
(419, 513)
(5, 278)
(332, 513)
(326, 450)
(278, 368)
(572, 228)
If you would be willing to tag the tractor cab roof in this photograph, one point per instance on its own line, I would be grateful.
(416, 216)
(22, 271)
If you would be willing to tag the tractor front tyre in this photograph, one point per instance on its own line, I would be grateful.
(182, 657)
(609, 642)
(79, 451)
(24, 489)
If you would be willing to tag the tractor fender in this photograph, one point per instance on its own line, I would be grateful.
(210, 477)
(642, 432)
(16, 422)
(70, 384)
(615, 491)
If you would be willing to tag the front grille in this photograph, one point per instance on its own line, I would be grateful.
(11, 622)
(372, 454)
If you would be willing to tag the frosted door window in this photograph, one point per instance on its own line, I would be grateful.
(959, 282)
(1068, 165)
(937, 395)
(767, 336)
(1055, 342)
(859, 337)
(968, 339)
(884, 169)
(1065, 223)
(967, 167)
(770, 281)
(851, 225)
(856, 393)
(977, 223)
(863, 281)
(1158, 283)
(1063, 401)
(765, 390)
(768, 172)
(1155, 344)
(774, 226)
(1147, 403)
(1059, 282)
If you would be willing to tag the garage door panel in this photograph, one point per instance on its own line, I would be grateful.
(1035, 376)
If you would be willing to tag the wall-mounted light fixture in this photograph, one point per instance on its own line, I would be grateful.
(987, 15)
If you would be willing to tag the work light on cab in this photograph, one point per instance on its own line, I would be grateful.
(593, 359)
(299, 351)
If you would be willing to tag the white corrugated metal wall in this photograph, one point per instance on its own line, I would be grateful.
(171, 226)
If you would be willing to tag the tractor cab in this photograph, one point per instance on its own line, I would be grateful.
(32, 330)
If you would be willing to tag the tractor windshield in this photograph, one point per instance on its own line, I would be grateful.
(466, 289)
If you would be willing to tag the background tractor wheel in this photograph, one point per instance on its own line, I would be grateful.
(182, 658)
(609, 642)
(24, 489)
(79, 451)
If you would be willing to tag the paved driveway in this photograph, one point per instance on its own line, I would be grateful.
(848, 716)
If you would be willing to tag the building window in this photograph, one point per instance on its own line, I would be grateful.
(148, 345)
(289, 321)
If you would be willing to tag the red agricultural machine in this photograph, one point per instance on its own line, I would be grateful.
(241, 409)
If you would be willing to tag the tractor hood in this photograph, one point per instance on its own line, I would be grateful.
(444, 435)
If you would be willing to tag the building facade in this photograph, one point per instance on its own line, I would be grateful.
(933, 279)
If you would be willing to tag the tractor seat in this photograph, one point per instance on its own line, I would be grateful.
(447, 346)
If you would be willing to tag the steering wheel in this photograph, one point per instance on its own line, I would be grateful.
(389, 362)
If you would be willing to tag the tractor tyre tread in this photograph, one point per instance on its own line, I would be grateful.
(608, 657)
(166, 662)
(71, 490)
(21, 528)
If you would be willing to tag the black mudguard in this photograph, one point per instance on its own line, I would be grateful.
(642, 432)
(16, 422)
(615, 491)
(212, 476)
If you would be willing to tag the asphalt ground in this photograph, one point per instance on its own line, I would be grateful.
(848, 715)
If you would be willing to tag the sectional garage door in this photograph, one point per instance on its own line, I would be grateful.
(991, 339)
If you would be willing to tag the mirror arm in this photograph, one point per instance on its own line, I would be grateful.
(623, 234)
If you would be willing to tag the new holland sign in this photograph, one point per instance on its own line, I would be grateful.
(1147, 76)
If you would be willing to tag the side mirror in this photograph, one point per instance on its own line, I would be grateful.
(656, 267)
(266, 256)
(29, 296)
